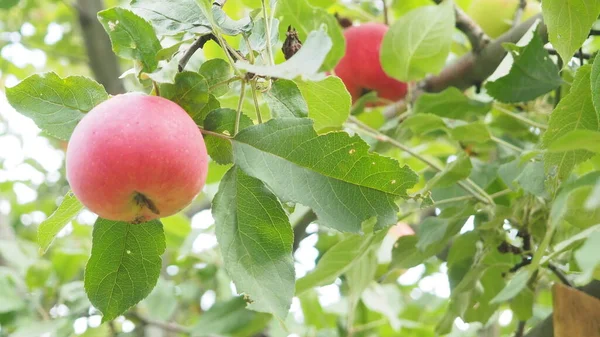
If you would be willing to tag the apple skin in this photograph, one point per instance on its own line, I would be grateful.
(360, 68)
(495, 17)
(135, 158)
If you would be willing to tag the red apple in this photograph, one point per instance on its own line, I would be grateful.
(360, 68)
(135, 158)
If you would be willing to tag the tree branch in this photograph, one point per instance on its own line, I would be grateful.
(519, 12)
(477, 37)
(300, 228)
(198, 44)
(166, 326)
(472, 69)
(103, 62)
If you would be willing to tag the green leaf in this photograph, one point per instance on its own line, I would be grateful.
(522, 305)
(514, 286)
(7, 4)
(435, 232)
(190, 91)
(306, 62)
(258, 36)
(419, 42)
(532, 74)
(124, 265)
(338, 259)
(162, 301)
(11, 301)
(230, 319)
(587, 257)
(572, 195)
(424, 123)
(595, 80)
(361, 274)
(474, 132)
(55, 104)
(574, 112)
(450, 103)
(532, 179)
(227, 25)
(587, 140)
(457, 170)
(285, 100)
(305, 19)
(42, 328)
(66, 211)
(406, 255)
(132, 37)
(222, 121)
(166, 71)
(334, 174)
(172, 17)
(256, 239)
(38, 274)
(177, 228)
(216, 71)
(569, 23)
(328, 102)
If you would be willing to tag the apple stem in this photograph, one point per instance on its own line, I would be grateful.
(386, 15)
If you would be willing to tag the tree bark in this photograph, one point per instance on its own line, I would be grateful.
(103, 62)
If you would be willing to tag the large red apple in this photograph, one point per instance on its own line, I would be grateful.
(135, 158)
(360, 68)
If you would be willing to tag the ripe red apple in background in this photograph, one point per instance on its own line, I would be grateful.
(135, 158)
(496, 16)
(360, 68)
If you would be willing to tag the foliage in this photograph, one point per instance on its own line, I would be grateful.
(311, 195)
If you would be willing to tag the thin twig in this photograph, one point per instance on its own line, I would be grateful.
(167, 326)
(239, 108)
(519, 12)
(559, 273)
(558, 91)
(520, 329)
(386, 17)
(580, 53)
(506, 144)
(267, 32)
(216, 134)
(521, 118)
(594, 32)
(468, 185)
(254, 96)
(300, 228)
(477, 37)
(198, 44)
(216, 85)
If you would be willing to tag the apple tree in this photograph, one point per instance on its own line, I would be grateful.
(369, 152)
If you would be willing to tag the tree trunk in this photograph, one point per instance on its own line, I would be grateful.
(103, 62)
